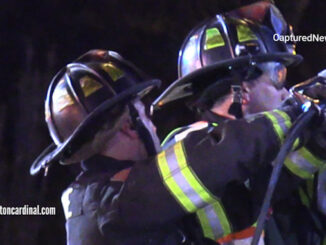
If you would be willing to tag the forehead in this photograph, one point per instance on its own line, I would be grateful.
(273, 74)
(269, 67)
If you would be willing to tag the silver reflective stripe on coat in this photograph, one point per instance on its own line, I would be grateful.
(191, 194)
(303, 163)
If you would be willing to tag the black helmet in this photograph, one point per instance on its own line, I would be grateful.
(232, 41)
(83, 96)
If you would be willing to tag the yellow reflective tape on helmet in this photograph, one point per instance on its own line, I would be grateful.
(172, 186)
(244, 33)
(114, 72)
(303, 164)
(213, 39)
(89, 85)
(189, 191)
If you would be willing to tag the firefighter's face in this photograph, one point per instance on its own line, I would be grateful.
(267, 93)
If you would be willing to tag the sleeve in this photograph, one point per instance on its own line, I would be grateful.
(190, 176)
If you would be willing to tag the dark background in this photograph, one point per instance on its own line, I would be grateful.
(37, 38)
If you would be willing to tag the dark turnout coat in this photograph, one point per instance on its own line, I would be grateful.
(184, 195)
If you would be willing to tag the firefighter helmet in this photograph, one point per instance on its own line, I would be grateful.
(83, 96)
(236, 40)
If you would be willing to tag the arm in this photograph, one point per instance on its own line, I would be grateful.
(194, 173)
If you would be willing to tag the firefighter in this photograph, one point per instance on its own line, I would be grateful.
(231, 67)
(131, 192)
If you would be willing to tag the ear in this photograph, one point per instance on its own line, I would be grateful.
(245, 93)
(127, 130)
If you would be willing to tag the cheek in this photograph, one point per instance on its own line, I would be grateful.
(264, 98)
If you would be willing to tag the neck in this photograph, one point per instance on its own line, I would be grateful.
(222, 109)
(122, 147)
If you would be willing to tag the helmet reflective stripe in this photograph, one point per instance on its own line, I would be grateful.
(213, 39)
(89, 85)
(114, 72)
(244, 33)
(187, 189)
(303, 164)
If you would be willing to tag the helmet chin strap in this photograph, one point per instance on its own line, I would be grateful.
(236, 88)
(236, 106)
(142, 131)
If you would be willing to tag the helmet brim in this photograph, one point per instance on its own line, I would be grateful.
(86, 129)
(181, 88)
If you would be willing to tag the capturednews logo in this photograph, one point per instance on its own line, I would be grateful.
(299, 38)
(27, 210)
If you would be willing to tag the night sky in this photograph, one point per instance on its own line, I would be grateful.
(37, 38)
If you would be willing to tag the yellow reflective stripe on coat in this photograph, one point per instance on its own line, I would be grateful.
(280, 121)
(180, 133)
(213, 221)
(303, 164)
(193, 127)
(281, 124)
(190, 193)
(288, 125)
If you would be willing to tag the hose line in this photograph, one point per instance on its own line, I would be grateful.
(298, 126)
